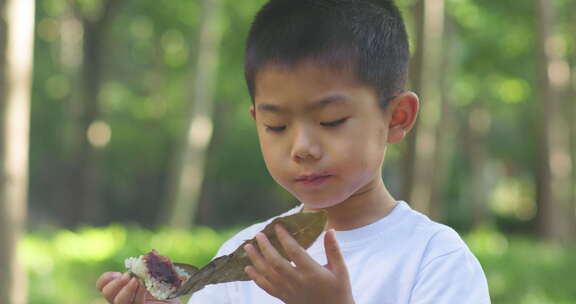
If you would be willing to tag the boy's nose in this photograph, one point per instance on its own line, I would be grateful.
(305, 146)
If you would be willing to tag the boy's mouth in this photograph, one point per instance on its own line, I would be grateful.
(312, 179)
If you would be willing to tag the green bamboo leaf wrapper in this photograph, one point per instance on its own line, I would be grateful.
(304, 227)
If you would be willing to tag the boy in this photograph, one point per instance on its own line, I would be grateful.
(326, 79)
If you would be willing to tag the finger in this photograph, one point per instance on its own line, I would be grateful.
(260, 280)
(262, 267)
(278, 263)
(111, 289)
(139, 298)
(294, 251)
(127, 294)
(257, 259)
(335, 259)
(106, 278)
(150, 299)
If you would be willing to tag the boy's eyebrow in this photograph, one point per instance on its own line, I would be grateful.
(331, 99)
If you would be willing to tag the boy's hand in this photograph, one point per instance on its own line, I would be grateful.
(119, 288)
(308, 281)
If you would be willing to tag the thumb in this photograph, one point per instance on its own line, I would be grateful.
(335, 259)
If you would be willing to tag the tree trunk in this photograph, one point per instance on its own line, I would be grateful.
(16, 48)
(572, 113)
(473, 139)
(409, 155)
(71, 55)
(571, 110)
(83, 205)
(445, 137)
(86, 165)
(555, 164)
(188, 169)
(426, 81)
(571, 106)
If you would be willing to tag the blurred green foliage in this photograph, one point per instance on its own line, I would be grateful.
(149, 55)
(522, 270)
(63, 265)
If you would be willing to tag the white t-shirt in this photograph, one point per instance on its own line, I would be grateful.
(402, 258)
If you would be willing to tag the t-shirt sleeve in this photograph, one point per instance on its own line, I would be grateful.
(224, 293)
(220, 293)
(214, 294)
(451, 275)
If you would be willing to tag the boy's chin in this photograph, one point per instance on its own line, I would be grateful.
(321, 199)
(317, 203)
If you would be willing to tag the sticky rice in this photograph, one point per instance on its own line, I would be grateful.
(157, 273)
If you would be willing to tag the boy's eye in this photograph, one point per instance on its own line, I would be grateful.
(275, 129)
(334, 123)
(325, 124)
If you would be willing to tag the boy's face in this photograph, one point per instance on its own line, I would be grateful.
(322, 134)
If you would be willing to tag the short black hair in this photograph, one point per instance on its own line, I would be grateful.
(366, 37)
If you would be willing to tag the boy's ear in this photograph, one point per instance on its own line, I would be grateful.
(252, 112)
(403, 111)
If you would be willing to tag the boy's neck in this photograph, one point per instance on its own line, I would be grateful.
(365, 207)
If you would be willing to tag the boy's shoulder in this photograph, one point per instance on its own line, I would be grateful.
(403, 225)
(434, 242)
(435, 238)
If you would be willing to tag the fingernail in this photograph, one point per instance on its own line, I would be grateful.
(125, 276)
(115, 275)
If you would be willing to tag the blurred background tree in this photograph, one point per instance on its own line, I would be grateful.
(188, 168)
(16, 45)
(139, 121)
